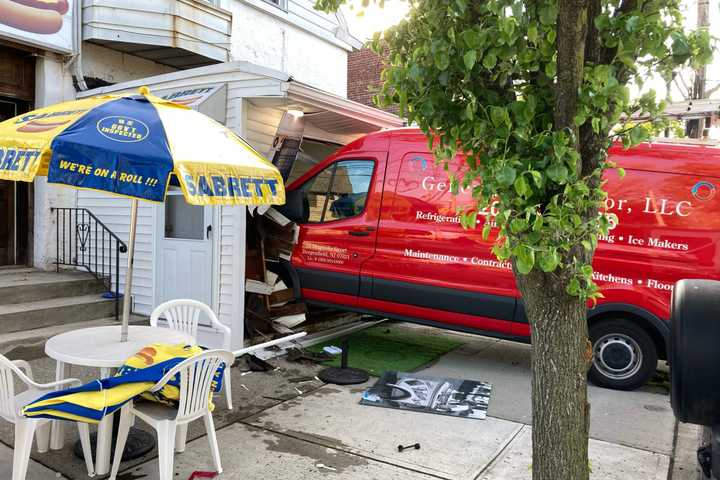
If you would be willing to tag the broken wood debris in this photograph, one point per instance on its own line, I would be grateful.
(271, 308)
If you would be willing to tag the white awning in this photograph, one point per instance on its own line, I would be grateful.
(211, 89)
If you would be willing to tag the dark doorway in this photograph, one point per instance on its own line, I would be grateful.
(16, 202)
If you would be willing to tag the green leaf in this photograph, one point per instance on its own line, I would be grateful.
(469, 112)
(518, 225)
(632, 23)
(557, 173)
(507, 25)
(550, 69)
(621, 172)
(537, 178)
(573, 287)
(637, 135)
(454, 185)
(472, 38)
(442, 61)
(532, 33)
(549, 260)
(489, 60)
(586, 271)
(470, 58)
(486, 230)
(521, 186)
(538, 223)
(499, 116)
(502, 252)
(525, 257)
(506, 176)
(680, 48)
(548, 14)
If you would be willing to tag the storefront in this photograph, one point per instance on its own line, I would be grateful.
(199, 252)
(33, 57)
(17, 96)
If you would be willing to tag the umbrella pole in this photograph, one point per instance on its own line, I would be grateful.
(129, 271)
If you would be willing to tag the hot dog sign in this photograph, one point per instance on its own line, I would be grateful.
(44, 22)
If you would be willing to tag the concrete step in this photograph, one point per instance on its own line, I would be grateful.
(30, 344)
(22, 285)
(57, 311)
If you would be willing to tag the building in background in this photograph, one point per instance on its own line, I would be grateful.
(363, 73)
(246, 63)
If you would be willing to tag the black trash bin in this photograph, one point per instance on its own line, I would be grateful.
(695, 361)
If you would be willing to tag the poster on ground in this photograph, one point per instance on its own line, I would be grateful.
(421, 393)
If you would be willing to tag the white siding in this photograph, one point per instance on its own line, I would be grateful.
(261, 127)
(300, 42)
(114, 212)
(231, 272)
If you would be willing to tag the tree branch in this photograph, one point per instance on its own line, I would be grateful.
(570, 42)
(683, 88)
(593, 48)
(626, 7)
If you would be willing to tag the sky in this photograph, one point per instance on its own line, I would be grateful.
(377, 19)
(374, 18)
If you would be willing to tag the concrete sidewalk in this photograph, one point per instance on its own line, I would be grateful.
(325, 432)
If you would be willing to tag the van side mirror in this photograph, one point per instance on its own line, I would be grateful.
(297, 207)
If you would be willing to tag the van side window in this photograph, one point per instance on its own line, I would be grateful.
(339, 191)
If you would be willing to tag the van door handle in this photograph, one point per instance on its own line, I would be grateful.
(207, 231)
(361, 231)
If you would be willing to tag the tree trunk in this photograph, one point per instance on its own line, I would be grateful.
(560, 359)
(561, 351)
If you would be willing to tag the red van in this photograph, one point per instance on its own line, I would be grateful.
(379, 234)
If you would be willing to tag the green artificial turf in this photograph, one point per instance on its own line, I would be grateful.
(389, 347)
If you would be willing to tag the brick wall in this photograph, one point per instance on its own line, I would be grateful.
(363, 77)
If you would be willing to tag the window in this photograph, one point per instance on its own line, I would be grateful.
(182, 220)
(278, 3)
(339, 191)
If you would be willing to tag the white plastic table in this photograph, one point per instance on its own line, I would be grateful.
(100, 347)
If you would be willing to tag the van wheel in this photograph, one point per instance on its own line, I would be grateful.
(624, 355)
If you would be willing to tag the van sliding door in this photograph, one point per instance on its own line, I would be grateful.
(427, 266)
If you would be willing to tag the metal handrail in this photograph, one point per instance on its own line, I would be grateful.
(84, 241)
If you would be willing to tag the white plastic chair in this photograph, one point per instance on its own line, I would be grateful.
(196, 376)
(184, 315)
(26, 428)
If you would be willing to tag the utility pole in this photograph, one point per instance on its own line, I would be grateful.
(694, 128)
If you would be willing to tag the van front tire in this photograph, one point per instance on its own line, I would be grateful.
(624, 355)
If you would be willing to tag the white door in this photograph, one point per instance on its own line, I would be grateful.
(184, 258)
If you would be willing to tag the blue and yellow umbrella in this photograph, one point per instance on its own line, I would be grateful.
(133, 146)
(130, 146)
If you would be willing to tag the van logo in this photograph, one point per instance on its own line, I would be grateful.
(703, 190)
(423, 162)
(123, 129)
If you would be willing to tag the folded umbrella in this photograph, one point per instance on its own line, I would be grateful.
(89, 403)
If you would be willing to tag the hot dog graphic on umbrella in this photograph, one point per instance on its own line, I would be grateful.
(35, 16)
